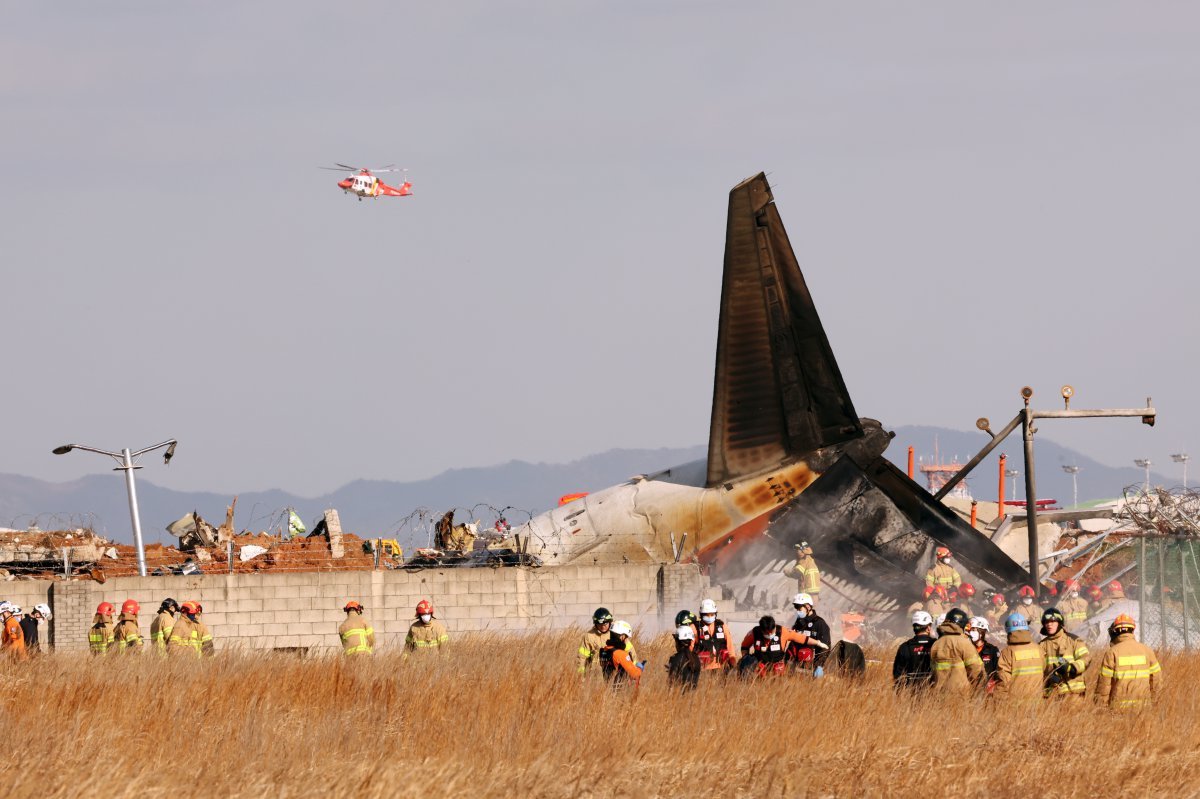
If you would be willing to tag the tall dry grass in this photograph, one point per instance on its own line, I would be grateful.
(508, 717)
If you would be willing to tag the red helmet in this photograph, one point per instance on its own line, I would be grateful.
(1115, 585)
(940, 592)
(997, 599)
(1094, 591)
(966, 589)
(1027, 590)
(190, 608)
(941, 552)
(130, 606)
(1072, 585)
(105, 609)
(353, 605)
(424, 606)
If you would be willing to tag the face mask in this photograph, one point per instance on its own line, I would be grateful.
(708, 619)
(1027, 600)
(425, 617)
(801, 613)
(973, 634)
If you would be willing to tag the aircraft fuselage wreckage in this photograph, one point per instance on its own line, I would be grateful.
(788, 457)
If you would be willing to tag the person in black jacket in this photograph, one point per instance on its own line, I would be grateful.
(683, 669)
(911, 668)
(29, 626)
(811, 658)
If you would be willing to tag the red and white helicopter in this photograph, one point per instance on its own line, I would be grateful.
(365, 184)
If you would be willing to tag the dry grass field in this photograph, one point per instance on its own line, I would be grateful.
(507, 717)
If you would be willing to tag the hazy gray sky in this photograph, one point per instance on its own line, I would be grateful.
(981, 197)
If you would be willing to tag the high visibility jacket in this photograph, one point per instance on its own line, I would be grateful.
(955, 663)
(1064, 655)
(1075, 611)
(935, 607)
(160, 629)
(100, 637)
(943, 575)
(13, 638)
(807, 575)
(589, 649)
(996, 615)
(189, 637)
(357, 634)
(426, 637)
(1129, 674)
(1032, 613)
(126, 635)
(1019, 669)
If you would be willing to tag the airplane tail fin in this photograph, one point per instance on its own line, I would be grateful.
(778, 390)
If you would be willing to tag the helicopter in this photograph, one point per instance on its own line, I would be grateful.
(365, 184)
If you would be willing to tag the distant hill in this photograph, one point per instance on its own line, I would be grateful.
(375, 507)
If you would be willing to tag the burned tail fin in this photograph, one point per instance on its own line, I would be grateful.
(778, 390)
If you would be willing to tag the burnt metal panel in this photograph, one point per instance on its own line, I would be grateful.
(778, 391)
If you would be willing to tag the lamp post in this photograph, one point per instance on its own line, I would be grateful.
(1182, 457)
(1013, 473)
(1145, 463)
(124, 459)
(1073, 470)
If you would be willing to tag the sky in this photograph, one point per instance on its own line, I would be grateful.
(981, 198)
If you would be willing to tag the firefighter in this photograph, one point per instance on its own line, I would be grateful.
(1073, 606)
(160, 628)
(100, 636)
(684, 667)
(1130, 674)
(711, 639)
(617, 658)
(1027, 607)
(911, 668)
(356, 633)
(1019, 670)
(937, 602)
(1116, 593)
(594, 640)
(127, 638)
(977, 630)
(426, 633)
(966, 600)
(942, 573)
(12, 637)
(1064, 656)
(808, 656)
(764, 648)
(189, 635)
(956, 665)
(1095, 597)
(804, 569)
(997, 610)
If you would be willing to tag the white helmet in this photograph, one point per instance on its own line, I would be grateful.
(941, 618)
(15, 610)
(979, 623)
(707, 606)
(922, 619)
(44, 610)
(6, 607)
(685, 633)
(802, 599)
(621, 628)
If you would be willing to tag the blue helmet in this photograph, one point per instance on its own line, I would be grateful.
(1015, 622)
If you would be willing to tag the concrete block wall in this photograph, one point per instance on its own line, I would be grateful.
(274, 611)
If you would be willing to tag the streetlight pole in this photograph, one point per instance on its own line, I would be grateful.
(1014, 474)
(124, 459)
(1073, 470)
(1145, 463)
(1182, 457)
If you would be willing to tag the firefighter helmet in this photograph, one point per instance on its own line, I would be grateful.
(424, 607)
(707, 606)
(1115, 585)
(941, 592)
(1095, 592)
(602, 616)
(622, 628)
(684, 617)
(967, 590)
(979, 623)
(1016, 622)
(353, 605)
(957, 617)
(1027, 590)
(44, 610)
(1072, 585)
(104, 609)
(685, 633)
(1053, 614)
(130, 606)
(168, 604)
(1123, 622)
(190, 608)
(921, 619)
(997, 598)
(941, 553)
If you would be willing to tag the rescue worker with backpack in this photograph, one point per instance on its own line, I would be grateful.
(911, 668)
(711, 637)
(1064, 656)
(1130, 674)
(764, 648)
(977, 630)
(426, 633)
(356, 633)
(617, 658)
(594, 640)
(1019, 671)
(160, 628)
(956, 665)
(100, 636)
(127, 638)
(807, 656)
(684, 667)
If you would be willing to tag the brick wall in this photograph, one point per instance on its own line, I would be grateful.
(303, 610)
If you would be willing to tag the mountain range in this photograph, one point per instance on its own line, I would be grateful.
(380, 507)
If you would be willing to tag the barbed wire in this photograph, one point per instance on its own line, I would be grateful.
(1161, 511)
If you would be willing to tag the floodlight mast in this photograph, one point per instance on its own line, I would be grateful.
(124, 459)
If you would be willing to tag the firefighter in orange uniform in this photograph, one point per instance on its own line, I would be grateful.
(765, 647)
(1130, 675)
(12, 638)
(616, 661)
(712, 640)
